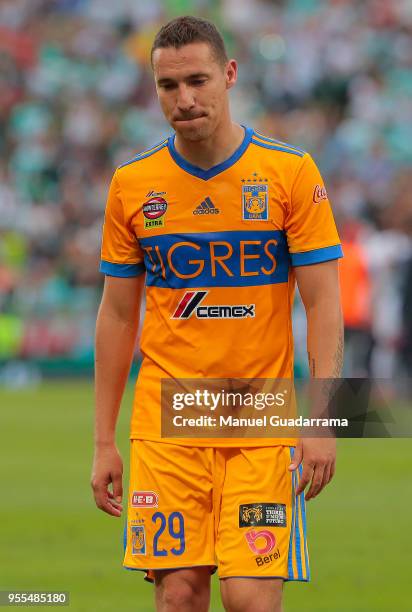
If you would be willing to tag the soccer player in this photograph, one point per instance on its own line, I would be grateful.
(215, 215)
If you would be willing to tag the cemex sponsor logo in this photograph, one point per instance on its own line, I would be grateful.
(144, 499)
(189, 304)
(319, 194)
(206, 208)
(262, 514)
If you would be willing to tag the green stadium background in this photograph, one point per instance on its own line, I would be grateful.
(77, 99)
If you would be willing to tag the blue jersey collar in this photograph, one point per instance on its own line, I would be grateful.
(207, 174)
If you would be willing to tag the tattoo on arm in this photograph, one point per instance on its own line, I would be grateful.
(312, 365)
(338, 359)
(325, 392)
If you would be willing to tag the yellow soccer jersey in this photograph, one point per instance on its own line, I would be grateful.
(218, 248)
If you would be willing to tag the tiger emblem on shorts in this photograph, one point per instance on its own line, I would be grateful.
(252, 515)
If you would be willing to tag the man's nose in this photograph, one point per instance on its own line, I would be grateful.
(185, 99)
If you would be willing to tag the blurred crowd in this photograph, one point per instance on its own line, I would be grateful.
(77, 99)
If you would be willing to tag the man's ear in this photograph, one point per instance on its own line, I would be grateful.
(231, 73)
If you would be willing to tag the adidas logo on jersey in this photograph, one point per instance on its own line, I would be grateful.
(206, 208)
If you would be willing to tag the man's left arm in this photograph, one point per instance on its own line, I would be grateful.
(319, 288)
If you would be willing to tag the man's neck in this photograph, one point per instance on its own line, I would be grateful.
(212, 151)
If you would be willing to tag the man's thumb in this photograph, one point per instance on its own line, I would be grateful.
(297, 458)
(117, 488)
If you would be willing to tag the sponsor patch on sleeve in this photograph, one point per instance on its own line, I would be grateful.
(319, 194)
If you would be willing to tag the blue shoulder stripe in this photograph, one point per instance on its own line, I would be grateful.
(121, 270)
(146, 153)
(277, 148)
(279, 142)
(314, 256)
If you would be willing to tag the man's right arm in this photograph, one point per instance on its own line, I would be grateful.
(116, 331)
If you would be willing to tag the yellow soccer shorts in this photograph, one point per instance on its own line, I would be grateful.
(230, 508)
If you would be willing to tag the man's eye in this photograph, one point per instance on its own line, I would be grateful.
(198, 81)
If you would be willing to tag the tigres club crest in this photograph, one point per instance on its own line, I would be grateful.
(255, 200)
(138, 540)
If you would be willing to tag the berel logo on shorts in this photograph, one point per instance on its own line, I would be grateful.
(262, 514)
(266, 559)
(260, 542)
(144, 499)
(319, 194)
(189, 304)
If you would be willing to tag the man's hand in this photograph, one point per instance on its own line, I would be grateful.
(107, 469)
(318, 456)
